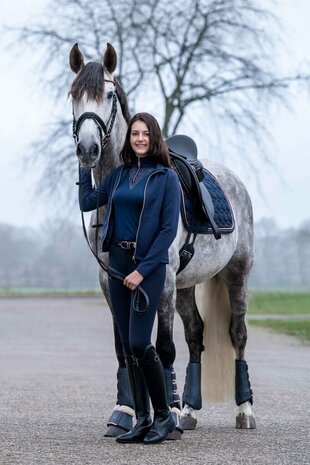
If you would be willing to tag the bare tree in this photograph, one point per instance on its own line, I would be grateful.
(92, 24)
(214, 50)
(208, 57)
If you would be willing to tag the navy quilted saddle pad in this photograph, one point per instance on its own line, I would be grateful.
(223, 215)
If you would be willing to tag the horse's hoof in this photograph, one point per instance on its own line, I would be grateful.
(245, 422)
(114, 431)
(175, 435)
(187, 422)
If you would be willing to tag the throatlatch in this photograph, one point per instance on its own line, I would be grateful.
(243, 391)
(192, 388)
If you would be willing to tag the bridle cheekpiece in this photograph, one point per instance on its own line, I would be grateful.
(104, 129)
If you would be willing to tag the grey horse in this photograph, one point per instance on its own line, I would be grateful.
(210, 294)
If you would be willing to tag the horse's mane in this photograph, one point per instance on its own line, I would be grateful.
(91, 80)
(122, 98)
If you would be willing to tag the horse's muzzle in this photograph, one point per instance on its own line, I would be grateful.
(88, 157)
(87, 165)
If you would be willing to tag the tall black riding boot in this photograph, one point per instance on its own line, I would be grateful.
(141, 404)
(163, 423)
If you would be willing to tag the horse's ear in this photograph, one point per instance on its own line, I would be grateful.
(110, 59)
(76, 59)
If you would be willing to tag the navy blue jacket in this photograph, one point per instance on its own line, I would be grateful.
(159, 216)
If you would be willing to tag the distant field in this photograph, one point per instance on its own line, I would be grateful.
(279, 302)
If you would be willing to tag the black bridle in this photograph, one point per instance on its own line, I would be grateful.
(105, 134)
(104, 129)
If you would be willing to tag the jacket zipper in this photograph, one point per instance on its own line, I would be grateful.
(143, 205)
(136, 174)
(119, 177)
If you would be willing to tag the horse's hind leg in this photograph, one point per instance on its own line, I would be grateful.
(235, 277)
(193, 329)
(121, 418)
(166, 348)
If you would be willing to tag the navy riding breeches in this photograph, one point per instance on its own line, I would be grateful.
(135, 327)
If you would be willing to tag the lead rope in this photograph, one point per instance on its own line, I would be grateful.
(104, 140)
(111, 272)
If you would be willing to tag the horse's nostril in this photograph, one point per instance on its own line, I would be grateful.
(94, 151)
(80, 151)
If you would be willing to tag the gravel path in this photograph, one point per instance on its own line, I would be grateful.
(58, 389)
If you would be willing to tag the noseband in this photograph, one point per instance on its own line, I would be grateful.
(104, 129)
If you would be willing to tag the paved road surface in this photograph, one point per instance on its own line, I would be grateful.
(58, 383)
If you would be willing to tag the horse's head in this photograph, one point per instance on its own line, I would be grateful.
(95, 103)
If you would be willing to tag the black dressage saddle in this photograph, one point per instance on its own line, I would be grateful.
(183, 154)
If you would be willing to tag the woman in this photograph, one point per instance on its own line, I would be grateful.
(139, 225)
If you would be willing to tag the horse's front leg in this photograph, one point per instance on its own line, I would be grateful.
(121, 419)
(193, 329)
(238, 295)
(166, 348)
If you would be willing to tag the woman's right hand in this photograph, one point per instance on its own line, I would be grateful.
(133, 280)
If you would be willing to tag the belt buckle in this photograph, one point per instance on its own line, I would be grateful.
(125, 245)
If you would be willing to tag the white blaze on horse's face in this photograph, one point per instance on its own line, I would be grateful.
(92, 92)
(88, 148)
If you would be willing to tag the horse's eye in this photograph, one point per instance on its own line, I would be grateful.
(110, 95)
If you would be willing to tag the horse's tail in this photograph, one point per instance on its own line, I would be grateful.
(218, 365)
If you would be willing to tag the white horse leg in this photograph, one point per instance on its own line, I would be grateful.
(237, 290)
(244, 397)
(188, 417)
(193, 329)
(245, 418)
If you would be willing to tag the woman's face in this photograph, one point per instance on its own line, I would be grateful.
(140, 138)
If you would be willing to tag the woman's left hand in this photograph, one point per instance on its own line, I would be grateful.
(133, 280)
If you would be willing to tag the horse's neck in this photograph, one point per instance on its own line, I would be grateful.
(109, 162)
(110, 157)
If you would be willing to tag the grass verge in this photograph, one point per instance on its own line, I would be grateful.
(299, 328)
(279, 302)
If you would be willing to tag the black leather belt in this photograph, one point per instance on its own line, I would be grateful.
(126, 245)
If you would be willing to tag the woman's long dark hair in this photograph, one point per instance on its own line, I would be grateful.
(158, 149)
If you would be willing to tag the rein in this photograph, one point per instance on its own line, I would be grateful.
(103, 129)
(112, 272)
